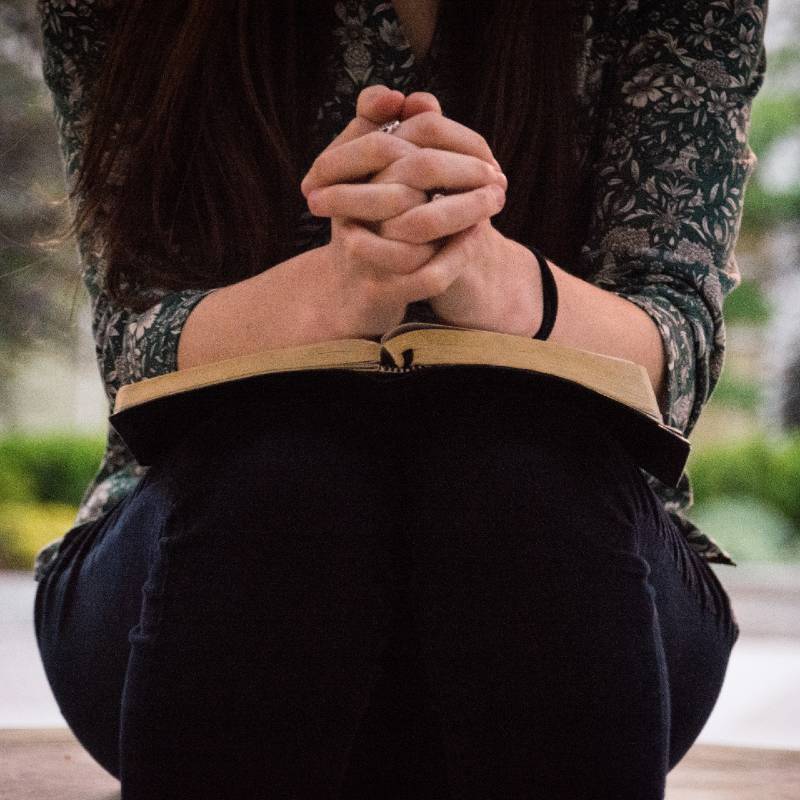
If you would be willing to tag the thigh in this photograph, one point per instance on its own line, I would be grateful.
(259, 540)
(559, 634)
(271, 603)
(86, 603)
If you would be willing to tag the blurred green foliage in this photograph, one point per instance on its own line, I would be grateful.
(747, 496)
(48, 468)
(42, 480)
(760, 467)
(737, 393)
(747, 529)
(27, 527)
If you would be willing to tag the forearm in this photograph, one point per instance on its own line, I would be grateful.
(594, 319)
(268, 310)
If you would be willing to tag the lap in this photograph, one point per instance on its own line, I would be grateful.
(482, 482)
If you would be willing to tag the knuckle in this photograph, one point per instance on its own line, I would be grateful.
(386, 145)
(408, 198)
(389, 229)
(399, 229)
(489, 173)
(428, 122)
(319, 168)
(355, 246)
(374, 143)
(490, 200)
(483, 144)
(421, 254)
(435, 282)
(409, 259)
(426, 226)
(399, 198)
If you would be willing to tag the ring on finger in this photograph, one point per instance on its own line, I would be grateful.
(391, 126)
(436, 194)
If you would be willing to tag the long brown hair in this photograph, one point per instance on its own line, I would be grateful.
(198, 136)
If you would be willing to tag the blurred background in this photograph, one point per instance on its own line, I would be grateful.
(745, 464)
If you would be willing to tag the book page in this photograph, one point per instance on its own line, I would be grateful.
(617, 378)
(343, 353)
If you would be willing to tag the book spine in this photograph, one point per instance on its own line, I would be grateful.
(388, 364)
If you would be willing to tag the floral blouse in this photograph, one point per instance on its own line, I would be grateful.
(665, 91)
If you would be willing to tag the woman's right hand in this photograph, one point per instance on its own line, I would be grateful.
(368, 280)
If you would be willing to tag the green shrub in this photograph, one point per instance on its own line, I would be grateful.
(27, 527)
(762, 468)
(48, 467)
(15, 485)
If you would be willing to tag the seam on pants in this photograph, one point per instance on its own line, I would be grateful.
(147, 628)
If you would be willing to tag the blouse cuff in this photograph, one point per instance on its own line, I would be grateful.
(150, 339)
(680, 402)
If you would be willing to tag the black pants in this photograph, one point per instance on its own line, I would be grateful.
(452, 584)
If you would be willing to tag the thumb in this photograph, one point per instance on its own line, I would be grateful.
(375, 106)
(379, 104)
(418, 102)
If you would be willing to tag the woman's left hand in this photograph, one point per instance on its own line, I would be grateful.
(499, 283)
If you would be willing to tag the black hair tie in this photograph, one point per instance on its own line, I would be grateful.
(549, 296)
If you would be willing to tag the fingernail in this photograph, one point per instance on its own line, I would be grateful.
(504, 180)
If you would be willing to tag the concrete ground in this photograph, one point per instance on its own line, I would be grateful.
(48, 764)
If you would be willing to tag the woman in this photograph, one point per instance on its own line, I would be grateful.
(448, 584)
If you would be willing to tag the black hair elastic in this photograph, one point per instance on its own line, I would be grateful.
(549, 296)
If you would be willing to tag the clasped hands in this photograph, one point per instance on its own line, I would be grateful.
(374, 187)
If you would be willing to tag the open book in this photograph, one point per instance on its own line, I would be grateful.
(148, 413)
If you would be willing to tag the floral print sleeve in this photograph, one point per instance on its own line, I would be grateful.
(129, 345)
(671, 173)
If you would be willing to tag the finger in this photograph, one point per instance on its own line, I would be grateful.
(435, 276)
(355, 160)
(444, 217)
(419, 102)
(427, 168)
(379, 104)
(364, 201)
(383, 257)
(375, 106)
(431, 129)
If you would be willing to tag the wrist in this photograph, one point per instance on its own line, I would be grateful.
(313, 318)
(528, 308)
